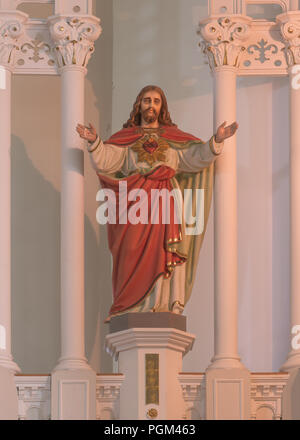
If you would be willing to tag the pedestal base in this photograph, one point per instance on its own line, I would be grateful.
(291, 397)
(73, 395)
(227, 394)
(292, 363)
(149, 348)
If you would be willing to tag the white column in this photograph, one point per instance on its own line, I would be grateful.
(73, 382)
(11, 30)
(6, 359)
(225, 205)
(74, 43)
(227, 380)
(72, 221)
(224, 39)
(293, 359)
(290, 29)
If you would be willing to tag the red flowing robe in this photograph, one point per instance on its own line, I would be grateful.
(139, 251)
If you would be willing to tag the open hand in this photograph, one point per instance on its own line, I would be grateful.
(87, 133)
(225, 132)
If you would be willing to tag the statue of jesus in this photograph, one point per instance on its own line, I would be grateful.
(154, 263)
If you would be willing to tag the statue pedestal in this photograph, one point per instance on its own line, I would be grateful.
(149, 348)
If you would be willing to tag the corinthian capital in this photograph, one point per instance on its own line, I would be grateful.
(224, 40)
(290, 31)
(74, 39)
(11, 29)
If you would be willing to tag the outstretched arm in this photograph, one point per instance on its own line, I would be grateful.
(87, 133)
(106, 158)
(199, 156)
(225, 132)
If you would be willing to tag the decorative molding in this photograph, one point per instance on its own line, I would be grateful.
(266, 392)
(34, 393)
(290, 30)
(11, 29)
(262, 47)
(42, 47)
(224, 40)
(34, 397)
(108, 396)
(194, 391)
(36, 46)
(34, 53)
(174, 339)
(253, 47)
(74, 39)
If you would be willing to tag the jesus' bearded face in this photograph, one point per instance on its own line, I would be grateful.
(150, 107)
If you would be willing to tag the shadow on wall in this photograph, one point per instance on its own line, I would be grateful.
(263, 201)
(35, 265)
(35, 156)
(98, 266)
(281, 222)
(36, 270)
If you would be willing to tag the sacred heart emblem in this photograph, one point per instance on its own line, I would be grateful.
(150, 145)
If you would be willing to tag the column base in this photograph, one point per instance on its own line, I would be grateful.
(73, 394)
(224, 362)
(6, 361)
(228, 394)
(65, 363)
(292, 362)
(291, 396)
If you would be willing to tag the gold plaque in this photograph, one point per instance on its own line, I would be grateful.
(152, 378)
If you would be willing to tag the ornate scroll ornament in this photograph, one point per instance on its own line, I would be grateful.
(262, 47)
(36, 46)
(10, 32)
(74, 40)
(224, 41)
(291, 34)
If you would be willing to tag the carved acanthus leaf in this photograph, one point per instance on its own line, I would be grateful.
(224, 41)
(74, 40)
(10, 32)
(291, 34)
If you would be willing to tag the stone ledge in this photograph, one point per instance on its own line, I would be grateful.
(147, 320)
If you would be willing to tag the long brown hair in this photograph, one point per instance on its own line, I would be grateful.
(135, 116)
